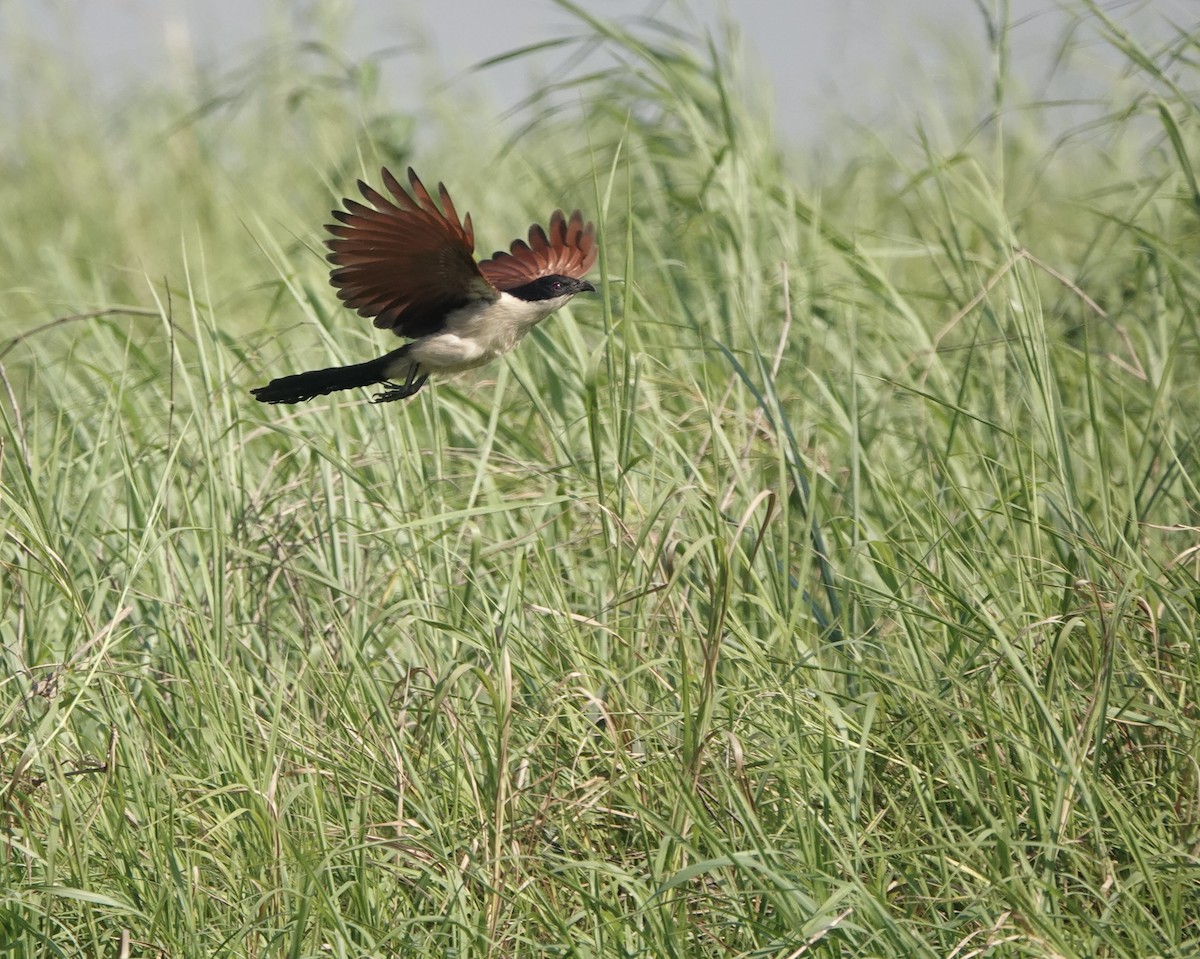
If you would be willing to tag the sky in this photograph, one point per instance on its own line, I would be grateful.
(822, 58)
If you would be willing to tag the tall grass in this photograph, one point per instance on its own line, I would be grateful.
(827, 586)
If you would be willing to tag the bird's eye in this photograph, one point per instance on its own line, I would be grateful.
(558, 286)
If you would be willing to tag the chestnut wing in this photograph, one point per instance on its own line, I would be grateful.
(402, 260)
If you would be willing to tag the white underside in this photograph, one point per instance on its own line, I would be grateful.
(475, 335)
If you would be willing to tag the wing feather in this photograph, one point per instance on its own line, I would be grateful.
(402, 260)
(567, 249)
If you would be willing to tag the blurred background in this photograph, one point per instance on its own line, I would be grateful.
(826, 62)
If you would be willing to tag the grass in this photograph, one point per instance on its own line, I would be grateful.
(825, 587)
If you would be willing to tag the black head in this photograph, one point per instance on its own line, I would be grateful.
(550, 288)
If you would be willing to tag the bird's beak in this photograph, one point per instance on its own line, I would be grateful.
(586, 287)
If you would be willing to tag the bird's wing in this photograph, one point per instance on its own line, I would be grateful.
(402, 260)
(567, 249)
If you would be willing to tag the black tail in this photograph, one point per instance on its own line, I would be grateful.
(304, 386)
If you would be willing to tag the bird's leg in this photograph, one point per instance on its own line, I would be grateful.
(397, 392)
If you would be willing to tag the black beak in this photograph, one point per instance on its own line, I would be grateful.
(586, 287)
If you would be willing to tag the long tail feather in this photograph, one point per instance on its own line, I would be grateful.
(305, 386)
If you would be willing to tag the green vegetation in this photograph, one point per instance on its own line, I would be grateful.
(826, 587)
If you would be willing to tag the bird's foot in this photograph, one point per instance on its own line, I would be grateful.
(398, 391)
(389, 396)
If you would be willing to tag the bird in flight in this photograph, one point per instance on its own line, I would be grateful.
(411, 266)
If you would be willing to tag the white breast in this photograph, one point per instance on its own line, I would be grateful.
(480, 332)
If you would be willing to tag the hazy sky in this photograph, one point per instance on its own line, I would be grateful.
(823, 58)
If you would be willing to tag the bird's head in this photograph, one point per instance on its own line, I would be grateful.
(552, 287)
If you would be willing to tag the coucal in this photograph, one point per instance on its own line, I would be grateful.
(411, 266)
